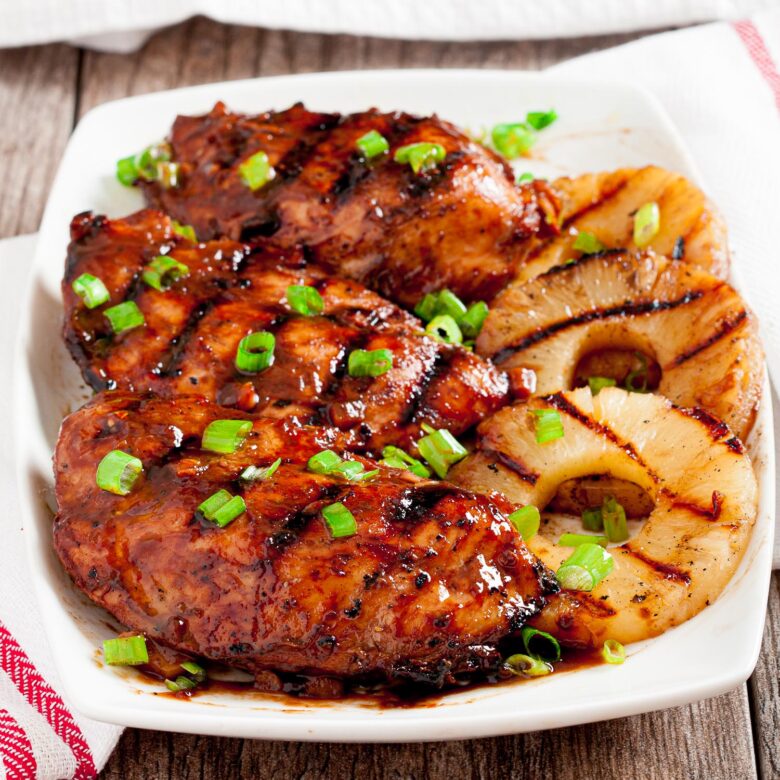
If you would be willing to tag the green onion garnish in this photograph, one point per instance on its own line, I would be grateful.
(221, 508)
(591, 519)
(575, 540)
(426, 308)
(524, 178)
(526, 521)
(91, 290)
(185, 231)
(225, 436)
(396, 458)
(598, 383)
(442, 450)
(548, 425)
(124, 316)
(647, 223)
(323, 462)
(527, 665)
(374, 362)
(541, 119)
(540, 644)
(340, 521)
(614, 518)
(613, 652)
(421, 156)
(196, 670)
(513, 140)
(258, 473)
(125, 651)
(587, 243)
(213, 503)
(163, 271)
(444, 328)
(305, 300)
(639, 373)
(181, 683)
(255, 352)
(449, 303)
(256, 171)
(472, 321)
(150, 164)
(126, 172)
(585, 568)
(329, 463)
(372, 144)
(446, 304)
(117, 472)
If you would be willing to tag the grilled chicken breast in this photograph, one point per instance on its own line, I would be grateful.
(192, 330)
(564, 324)
(433, 577)
(462, 224)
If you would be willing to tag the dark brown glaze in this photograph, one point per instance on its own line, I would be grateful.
(192, 331)
(433, 579)
(462, 225)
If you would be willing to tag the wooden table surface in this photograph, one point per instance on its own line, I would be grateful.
(43, 92)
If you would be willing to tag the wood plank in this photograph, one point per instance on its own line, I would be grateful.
(37, 102)
(711, 739)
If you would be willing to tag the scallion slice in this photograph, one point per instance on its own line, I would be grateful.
(181, 683)
(630, 382)
(526, 521)
(329, 463)
(540, 644)
(222, 508)
(305, 300)
(449, 303)
(163, 271)
(374, 362)
(444, 328)
(613, 652)
(647, 223)
(598, 383)
(258, 473)
(117, 472)
(196, 670)
(587, 243)
(150, 164)
(548, 425)
(396, 458)
(575, 540)
(591, 519)
(125, 651)
(185, 231)
(524, 178)
(372, 144)
(256, 171)
(527, 665)
(513, 139)
(91, 290)
(614, 518)
(585, 568)
(426, 308)
(255, 352)
(225, 436)
(323, 462)
(421, 156)
(340, 521)
(126, 172)
(472, 321)
(124, 316)
(214, 502)
(441, 450)
(541, 119)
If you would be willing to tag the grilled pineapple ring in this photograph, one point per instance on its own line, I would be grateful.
(692, 466)
(694, 325)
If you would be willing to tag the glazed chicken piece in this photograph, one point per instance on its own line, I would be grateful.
(462, 224)
(432, 578)
(191, 332)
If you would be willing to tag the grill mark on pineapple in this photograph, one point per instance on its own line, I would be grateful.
(518, 468)
(627, 309)
(664, 570)
(713, 513)
(603, 198)
(725, 327)
(716, 428)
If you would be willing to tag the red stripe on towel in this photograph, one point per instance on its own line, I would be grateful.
(759, 52)
(24, 675)
(16, 753)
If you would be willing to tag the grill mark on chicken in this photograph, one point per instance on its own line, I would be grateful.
(664, 570)
(726, 327)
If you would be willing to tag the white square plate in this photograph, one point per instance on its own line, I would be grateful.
(601, 126)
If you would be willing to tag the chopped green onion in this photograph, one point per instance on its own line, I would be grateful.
(124, 316)
(255, 352)
(340, 521)
(526, 521)
(541, 119)
(598, 383)
(185, 231)
(427, 428)
(548, 425)
(305, 300)
(126, 171)
(163, 271)
(513, 140)
(196, 670)
(328, 462)
(259, 474)
(592, 520)
(374, 362)
(527, 665)
(585, 568)
(444, 328)
(181, 683)
(213, 503)
(225, 436)
(125, 651)
(91, 290)
(549, 651)
(256, 171)
(147, 160)
(449, 303)
(396, 458)
(150, 164)
(372, 144)
(472, 321)
(587, 243)
(442, 450)
(575, 540)
(421, 156)
(647, 223)
(445, 303)
(614, 517)
(613, 652)
(229, 511)
(525, 178)
(323, 462)
(639, 373)
(426, 308)
(349, 469)
(117, 472)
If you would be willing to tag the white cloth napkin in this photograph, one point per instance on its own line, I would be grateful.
(722, 88)
(123, 25)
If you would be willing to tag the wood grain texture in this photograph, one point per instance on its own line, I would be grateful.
(37, 101)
